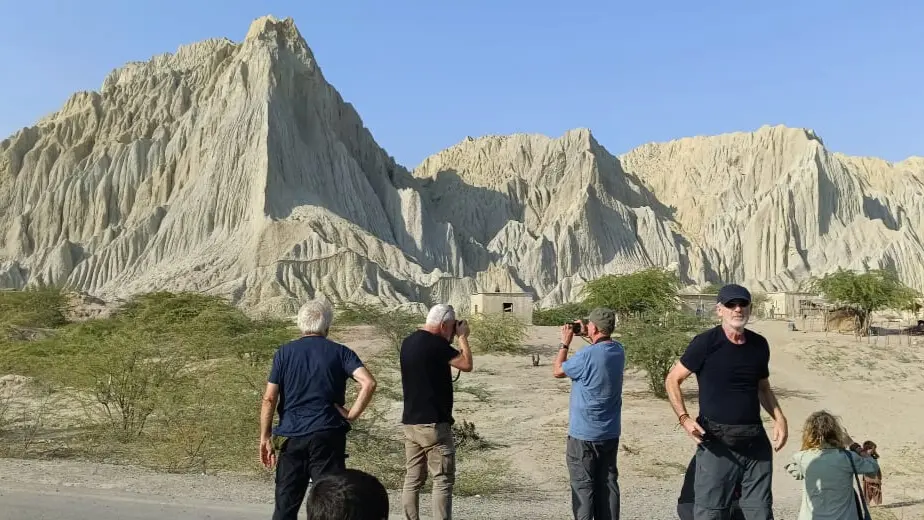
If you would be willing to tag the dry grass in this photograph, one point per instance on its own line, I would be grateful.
(173, 382)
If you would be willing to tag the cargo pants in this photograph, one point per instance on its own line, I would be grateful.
(731, 455)
(429, 449)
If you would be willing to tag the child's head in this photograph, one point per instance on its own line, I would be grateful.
(870, 447)
(821, 430)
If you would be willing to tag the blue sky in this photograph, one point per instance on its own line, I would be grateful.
(425, 74)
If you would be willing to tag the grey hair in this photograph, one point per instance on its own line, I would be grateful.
(440, 313)
(315, 316)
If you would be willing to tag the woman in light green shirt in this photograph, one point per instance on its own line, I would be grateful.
(824, 468)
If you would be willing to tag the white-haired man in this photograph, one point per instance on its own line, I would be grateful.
(426, 357)
(733, 451)
(308, 381)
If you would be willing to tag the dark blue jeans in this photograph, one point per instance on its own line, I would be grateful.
(594, 478)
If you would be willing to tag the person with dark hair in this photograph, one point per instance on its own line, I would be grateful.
(872, 484)
(347, 495)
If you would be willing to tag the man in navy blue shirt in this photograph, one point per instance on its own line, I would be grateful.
(307, 386)
(595, 416)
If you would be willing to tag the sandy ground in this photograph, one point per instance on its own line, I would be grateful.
(876, 389)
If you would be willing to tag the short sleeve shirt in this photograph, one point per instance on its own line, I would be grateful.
(426, 378)
(311, 373)
(728, 375)
(595, 409)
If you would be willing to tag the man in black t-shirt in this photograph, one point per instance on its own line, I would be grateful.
(426, 379)
(731, 364)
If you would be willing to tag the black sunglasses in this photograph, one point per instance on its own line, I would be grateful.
(744, 304)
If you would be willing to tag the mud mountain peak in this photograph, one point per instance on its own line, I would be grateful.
(236, 168)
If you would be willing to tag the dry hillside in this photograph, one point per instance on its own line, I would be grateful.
(236, 168)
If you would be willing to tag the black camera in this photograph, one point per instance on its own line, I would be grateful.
(578, 326)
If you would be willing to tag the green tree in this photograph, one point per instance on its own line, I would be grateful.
(560, 315)
(865, 292)
(648, 290)
(654, 342)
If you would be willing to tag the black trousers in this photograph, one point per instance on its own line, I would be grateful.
(594, 478)
(301, 459)
(733, 455)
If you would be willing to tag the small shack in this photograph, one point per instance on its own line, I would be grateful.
(791, 304)
(520, 304)
(701, 304)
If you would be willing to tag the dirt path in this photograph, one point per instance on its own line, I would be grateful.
(528, 413)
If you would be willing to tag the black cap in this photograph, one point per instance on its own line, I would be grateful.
(733, 292)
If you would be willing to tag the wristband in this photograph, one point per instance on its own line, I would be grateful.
(682, 417)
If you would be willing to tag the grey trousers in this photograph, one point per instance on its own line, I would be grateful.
(594, 478)
(734, 454)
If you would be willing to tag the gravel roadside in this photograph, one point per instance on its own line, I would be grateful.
(642, 498)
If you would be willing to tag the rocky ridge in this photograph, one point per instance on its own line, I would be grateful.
(237, 169)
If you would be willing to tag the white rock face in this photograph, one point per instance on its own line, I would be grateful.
(236, 169)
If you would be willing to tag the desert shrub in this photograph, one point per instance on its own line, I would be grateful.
(556, 316)
(645, 291)
(177, 379)
(129, 379)
(356, 313)
(32, 308)
(394, 324)
(174, 382)
(496, 333)
(654, 342)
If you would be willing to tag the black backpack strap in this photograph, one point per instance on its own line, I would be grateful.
(864, 511)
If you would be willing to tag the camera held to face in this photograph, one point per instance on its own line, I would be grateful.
(579, 327)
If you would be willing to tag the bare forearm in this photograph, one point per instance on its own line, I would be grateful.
(557, 369)
(770, 404)
(675, 397)
(266, 418)
(362, 400)
(466, 352)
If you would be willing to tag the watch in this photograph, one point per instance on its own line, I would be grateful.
(562, 346)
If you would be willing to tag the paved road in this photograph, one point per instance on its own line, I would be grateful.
(85, 504)
(75, 503)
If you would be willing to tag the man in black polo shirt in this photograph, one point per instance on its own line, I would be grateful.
(426, 378)
(731, 364)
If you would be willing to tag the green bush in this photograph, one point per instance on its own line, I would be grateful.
(644, 291)
(557, 316)
(173, 382)
(654, 342)
(32, 308)
(496, 333)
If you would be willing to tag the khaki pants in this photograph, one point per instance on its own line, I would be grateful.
(429, 448)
